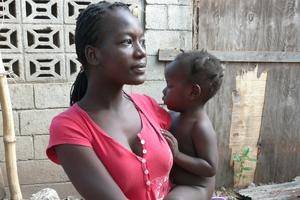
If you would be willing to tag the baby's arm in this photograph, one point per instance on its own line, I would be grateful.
(205, 144)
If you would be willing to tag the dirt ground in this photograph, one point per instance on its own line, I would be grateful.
(226, 192)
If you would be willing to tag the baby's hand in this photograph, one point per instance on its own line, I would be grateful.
(172, 141)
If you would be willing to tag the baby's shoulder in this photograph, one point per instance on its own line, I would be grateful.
(203, 127)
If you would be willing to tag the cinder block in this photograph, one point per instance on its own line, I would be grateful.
(21, 96)
(52, 95)
(186, 40)
(36, 122)
(180, 17)
(175, 2)
(42, 11)
(162, 1)
(156, 39)
(72, 9)
(10, 11)
(24, 148)
(155, 69)
(11, 41)
(45, 38)
(37, 171)
(45, 67)
(151, 88)
(16, 123)
(40, 145)
(161, 39)
(14, 65)
(132, 2)
(185, 2)
(152, 19)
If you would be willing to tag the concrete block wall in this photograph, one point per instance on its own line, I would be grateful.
(43, 67)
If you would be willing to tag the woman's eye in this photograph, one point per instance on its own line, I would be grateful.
(127, 42)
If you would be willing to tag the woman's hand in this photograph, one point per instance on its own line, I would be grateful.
(172, 141)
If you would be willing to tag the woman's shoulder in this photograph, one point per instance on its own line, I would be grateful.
(70, 115)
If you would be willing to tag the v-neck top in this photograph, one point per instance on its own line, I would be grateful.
(144, 177)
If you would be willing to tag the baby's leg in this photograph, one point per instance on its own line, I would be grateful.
(184, 192)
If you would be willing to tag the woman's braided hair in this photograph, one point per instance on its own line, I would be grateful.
(88, 29)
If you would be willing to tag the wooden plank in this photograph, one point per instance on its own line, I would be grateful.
(256, 25)
(279, 157)
(284, 191)
(240, 56)
(248, 99)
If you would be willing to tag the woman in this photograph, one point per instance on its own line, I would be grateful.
(108, 142)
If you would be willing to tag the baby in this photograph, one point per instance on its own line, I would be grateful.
(192, 79)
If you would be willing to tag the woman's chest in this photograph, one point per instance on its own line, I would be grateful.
(146, 142)
(123, 128)
(133, 171)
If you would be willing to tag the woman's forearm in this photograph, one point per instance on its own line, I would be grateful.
(87, 173)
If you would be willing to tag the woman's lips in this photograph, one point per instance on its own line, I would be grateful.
(139, 68)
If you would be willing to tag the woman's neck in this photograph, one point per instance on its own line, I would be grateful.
(102, 96)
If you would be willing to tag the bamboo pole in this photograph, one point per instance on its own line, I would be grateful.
(9, 137)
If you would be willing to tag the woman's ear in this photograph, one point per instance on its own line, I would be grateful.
(195, 91)
(92, 55)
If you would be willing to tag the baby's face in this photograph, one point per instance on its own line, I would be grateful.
(176, 91)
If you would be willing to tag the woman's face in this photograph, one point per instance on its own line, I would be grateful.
(121, 49)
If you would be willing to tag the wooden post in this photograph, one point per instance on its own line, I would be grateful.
(9, 137)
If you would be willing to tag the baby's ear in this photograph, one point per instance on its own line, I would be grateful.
(195, 92)
(92, 55)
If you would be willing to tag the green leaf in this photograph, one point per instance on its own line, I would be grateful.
(236, 158)
(246, 151)
(246, 168)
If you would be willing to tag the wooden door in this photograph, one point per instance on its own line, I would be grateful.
(258, 104)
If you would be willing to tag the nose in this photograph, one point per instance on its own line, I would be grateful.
(140, 51)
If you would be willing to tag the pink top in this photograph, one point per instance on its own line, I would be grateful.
(140, 178)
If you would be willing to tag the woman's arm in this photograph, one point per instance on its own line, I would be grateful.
(87, 173)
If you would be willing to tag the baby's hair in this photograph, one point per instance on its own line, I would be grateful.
(88, 28)
(205, 70)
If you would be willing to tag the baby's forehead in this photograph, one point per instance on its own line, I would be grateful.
(177, 69)
(182, 65)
